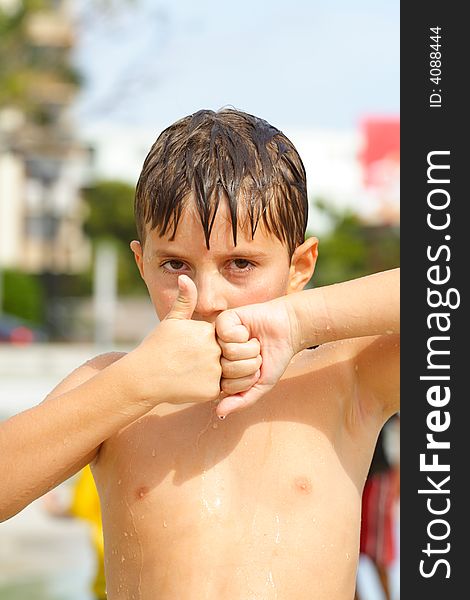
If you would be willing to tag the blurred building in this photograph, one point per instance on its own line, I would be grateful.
(42, 164)
(380, 162)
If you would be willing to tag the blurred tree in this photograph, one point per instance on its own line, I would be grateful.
(111, 217)
(352, 248)
(23, 296)
(27, 66)
(37, 85)
(110, 211)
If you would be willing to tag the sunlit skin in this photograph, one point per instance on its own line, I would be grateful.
(265, 504)
(226, 275)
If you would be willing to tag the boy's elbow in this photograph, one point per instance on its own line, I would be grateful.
(9, 509)
(7, 513)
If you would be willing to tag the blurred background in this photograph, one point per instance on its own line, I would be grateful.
(85, 88)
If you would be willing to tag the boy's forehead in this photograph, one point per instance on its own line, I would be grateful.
(190, 232)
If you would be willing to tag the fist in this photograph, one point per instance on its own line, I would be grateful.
(179, 361)
(257, 345)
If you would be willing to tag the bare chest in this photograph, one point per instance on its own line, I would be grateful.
(281, 454)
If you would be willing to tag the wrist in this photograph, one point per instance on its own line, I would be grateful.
(137, 386)
(294, 311)
(311, 324)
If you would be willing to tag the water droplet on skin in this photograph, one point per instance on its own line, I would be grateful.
(270, 580)
(278, 534)
(119, 482)
(389, 332)
(125, 534)
(214, 425)
(356, 367)
(154, 452)
(165, 524)
(348, 556)
(122, 559)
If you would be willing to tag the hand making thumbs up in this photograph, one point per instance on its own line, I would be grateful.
(180, 359)
(185, 303)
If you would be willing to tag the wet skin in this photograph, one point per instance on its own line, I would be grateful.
(265, 504)
(262, 505)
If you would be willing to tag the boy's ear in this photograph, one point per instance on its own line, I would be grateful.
(302, 265)
(136, 248)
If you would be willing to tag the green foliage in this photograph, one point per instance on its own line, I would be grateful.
(25, 67)
(110, 211)
(23, 296)
(111, 217)
(352, 249)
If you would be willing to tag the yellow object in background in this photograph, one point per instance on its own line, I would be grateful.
(86, 505)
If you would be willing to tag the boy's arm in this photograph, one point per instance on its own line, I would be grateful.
(368, 306)
(41, 447)
(360, 307)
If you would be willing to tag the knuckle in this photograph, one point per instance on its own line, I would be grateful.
(225, 386)
(225, 363)
(229, 370)
(230, 352)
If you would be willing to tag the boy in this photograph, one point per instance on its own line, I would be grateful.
(265, 503)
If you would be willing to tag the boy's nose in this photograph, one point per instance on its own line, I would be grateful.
(211, 300)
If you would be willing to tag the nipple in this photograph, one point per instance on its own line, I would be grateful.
(142, 491)
(303, 485)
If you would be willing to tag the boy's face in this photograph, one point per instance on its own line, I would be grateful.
(226, 276)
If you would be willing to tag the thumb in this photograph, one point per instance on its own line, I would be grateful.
(237, 402)
(184, 305)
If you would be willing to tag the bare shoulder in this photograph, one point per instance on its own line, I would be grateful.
(84, 372)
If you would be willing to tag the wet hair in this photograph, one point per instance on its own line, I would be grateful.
(209, 156)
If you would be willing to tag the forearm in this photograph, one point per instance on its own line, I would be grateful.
(360, 307)
(44, 445)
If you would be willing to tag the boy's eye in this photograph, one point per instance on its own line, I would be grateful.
(242, 264)
(173, 265)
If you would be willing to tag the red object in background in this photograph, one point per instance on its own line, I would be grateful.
(381, 143)
(14, 330)
(21, 335)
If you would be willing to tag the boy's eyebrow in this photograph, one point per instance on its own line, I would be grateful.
(236, 252)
